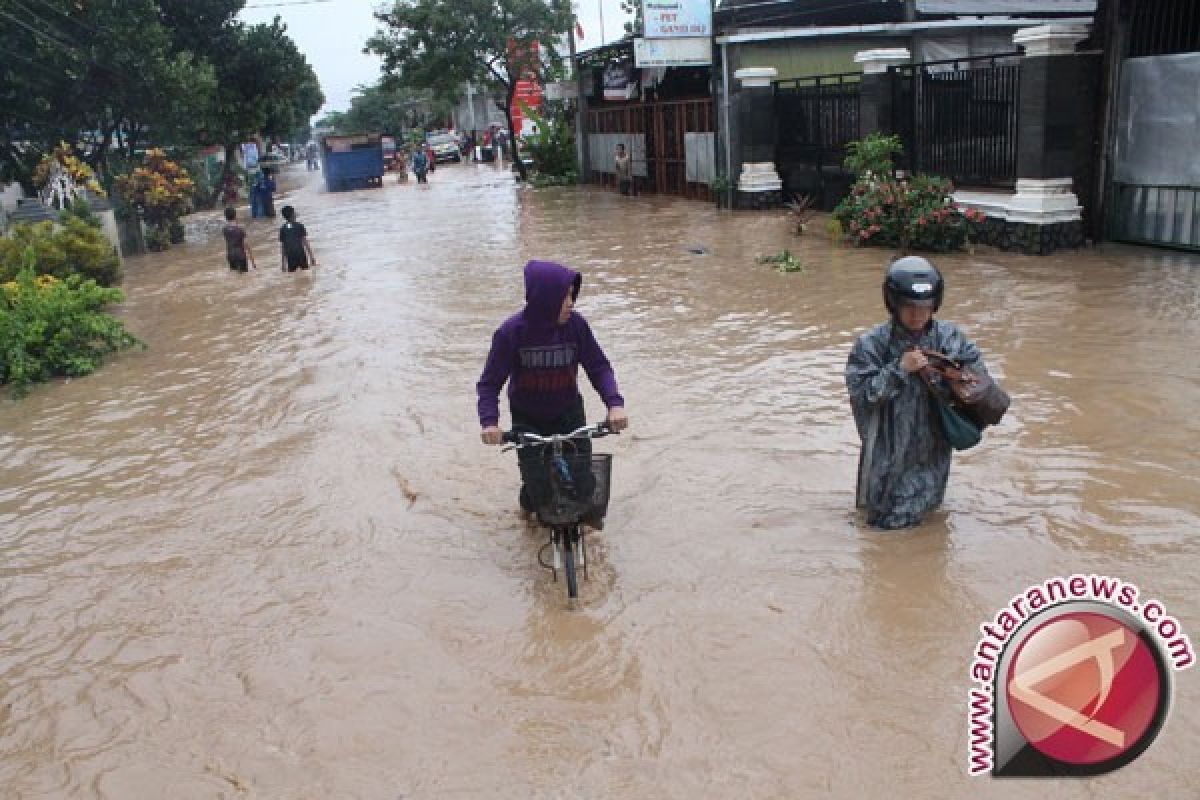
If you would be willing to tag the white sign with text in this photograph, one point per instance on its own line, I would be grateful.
(666, 19)
(687, 52)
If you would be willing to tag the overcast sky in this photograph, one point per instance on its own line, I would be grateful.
(331, 33)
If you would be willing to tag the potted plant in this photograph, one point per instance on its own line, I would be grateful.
(720, 188)
(157, 239)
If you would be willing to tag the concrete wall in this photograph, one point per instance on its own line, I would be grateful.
(108, 224)
(481, 109)
(9, 195)
(799, 58)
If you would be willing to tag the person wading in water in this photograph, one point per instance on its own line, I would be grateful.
(904, 464)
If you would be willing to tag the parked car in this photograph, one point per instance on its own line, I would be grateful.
(445, 147)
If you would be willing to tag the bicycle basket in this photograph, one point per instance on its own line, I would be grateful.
(578, 490)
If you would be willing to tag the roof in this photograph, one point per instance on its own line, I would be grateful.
(621, 48)
(885, 29)
(1006, 6)
(828, 13)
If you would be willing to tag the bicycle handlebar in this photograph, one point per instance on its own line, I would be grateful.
(525, 439)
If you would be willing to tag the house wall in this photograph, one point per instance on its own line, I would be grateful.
(798, 58)
(9, 195)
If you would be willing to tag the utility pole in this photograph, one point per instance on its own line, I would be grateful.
(581, 171)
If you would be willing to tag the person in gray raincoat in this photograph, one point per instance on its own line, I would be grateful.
(905, 459)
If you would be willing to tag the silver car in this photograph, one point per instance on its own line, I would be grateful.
(445, 147)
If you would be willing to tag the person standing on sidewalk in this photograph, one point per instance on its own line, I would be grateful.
(623, 165)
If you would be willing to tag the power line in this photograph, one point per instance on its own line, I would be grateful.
(82, 25)
(68, 48)
(42, 34)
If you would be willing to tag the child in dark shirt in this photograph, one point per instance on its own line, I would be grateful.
(235, 243)
(294, 248)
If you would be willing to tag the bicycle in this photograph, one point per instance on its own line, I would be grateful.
(577, 487)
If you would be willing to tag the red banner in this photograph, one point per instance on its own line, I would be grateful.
(528, 92)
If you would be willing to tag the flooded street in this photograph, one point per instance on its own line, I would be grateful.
(269, 558)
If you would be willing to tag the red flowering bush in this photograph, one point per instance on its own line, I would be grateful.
(916, 214)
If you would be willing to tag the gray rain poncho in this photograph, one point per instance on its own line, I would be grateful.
(905, 459)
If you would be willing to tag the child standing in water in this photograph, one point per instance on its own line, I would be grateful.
(235, 243)
(293, 243)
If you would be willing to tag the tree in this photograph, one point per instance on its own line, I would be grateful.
(265, 86)
(118, 76)
(389, 108)
(91, 74)
(197, 26)
(442, 44)
(332, 120)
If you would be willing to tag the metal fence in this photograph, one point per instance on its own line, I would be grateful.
(958, 118)
(1161, 27)
(1159, 215)
(817, 117)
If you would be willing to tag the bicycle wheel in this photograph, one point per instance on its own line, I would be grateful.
(568, 539)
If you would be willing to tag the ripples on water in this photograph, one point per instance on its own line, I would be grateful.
(268, 558)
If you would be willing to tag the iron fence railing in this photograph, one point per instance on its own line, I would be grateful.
(816, 117)
(1163, 27)
(958, 118)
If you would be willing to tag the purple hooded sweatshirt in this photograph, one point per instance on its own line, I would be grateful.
(538, 357)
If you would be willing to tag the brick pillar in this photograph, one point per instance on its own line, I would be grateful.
(1050, 121)
(875, 94)
(759, 185)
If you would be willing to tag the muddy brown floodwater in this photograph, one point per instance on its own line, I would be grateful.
(268, 557)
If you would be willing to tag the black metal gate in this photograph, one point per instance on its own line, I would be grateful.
(958, 118)
(1154, 187)
(816, 117)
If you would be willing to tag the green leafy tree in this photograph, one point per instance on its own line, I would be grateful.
(91, 74)
(553, 148)
(332, 120)
(112, 78)
(265, 85)
(392, 108)
(442, 44)
(197, 26)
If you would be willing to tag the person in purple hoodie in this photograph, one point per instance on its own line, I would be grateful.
(538, 352)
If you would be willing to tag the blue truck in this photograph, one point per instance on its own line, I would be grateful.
(352, 161)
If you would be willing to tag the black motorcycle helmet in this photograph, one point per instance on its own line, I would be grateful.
(912, 278)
